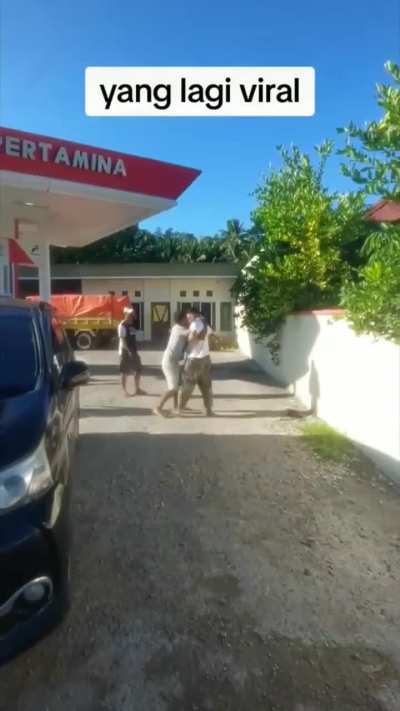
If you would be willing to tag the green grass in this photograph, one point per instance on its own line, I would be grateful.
(327, 443)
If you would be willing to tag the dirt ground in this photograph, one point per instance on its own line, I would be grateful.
(218, 565)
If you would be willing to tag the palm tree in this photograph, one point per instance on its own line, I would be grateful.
(170, 249)
(235, 238)
(138, 245)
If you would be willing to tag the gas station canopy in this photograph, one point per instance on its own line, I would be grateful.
(72, 194)
(68, 194)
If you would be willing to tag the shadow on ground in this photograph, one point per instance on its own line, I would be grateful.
(101, 370)
(115, 412)
(193, 413)
(245, 370)
(241, 369)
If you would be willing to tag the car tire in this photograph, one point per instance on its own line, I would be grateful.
(84, 341)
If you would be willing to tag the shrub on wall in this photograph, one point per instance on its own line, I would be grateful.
(304, 229)
(315, 248)
(372, 298)
(222, 343)
(373, 301)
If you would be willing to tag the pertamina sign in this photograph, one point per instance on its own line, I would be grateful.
(43, 157)
(65, 155)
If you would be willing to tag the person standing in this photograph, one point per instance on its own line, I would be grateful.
(129, 359)
(197, 369)
(172, 358)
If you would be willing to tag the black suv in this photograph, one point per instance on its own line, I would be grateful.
(39, 416)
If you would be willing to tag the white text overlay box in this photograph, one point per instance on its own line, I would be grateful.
(200, 91)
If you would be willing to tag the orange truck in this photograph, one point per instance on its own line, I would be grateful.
(90, 320)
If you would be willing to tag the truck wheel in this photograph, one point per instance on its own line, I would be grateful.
(84, 341)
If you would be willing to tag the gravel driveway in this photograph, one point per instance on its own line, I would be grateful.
(218, 565)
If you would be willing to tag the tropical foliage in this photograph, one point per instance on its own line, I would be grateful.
(316, 247)
(373, 150)
(233, 244)
(372, 296)
(305, 231)
(372, 300)
(238, 244)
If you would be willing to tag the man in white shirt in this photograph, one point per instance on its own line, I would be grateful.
(173, 355)
(197, 370)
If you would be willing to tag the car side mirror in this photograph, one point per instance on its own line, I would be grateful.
(74, 374)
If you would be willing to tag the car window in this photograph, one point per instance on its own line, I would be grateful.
(19, 355)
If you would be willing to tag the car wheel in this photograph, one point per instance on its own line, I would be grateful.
(84, 341)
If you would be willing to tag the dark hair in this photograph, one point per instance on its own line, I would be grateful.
(179, 316)
(195, 312)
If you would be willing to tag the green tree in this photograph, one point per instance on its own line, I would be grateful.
(373, 300)
(233, 237)
(137, 245)
(238, 243)
(304, 230)
(372, 295)
(373, 151)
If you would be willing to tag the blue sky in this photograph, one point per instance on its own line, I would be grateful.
(45, 46)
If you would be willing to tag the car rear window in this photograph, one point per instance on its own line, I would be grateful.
(19, 355)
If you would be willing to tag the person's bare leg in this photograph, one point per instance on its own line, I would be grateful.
(123, 384)
(188, 385)
(167, 396)
(138, 389)
(185, 396)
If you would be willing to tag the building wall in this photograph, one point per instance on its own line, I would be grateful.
(102, 286)
(352, 381)
(165, 290)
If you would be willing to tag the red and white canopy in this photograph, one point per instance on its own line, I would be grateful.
(72, 194)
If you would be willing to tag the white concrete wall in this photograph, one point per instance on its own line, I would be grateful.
(102, 286)
(221, 291)
(352, 381)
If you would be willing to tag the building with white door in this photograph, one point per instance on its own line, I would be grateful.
(157, 290)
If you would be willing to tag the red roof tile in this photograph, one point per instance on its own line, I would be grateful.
(384, 211)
